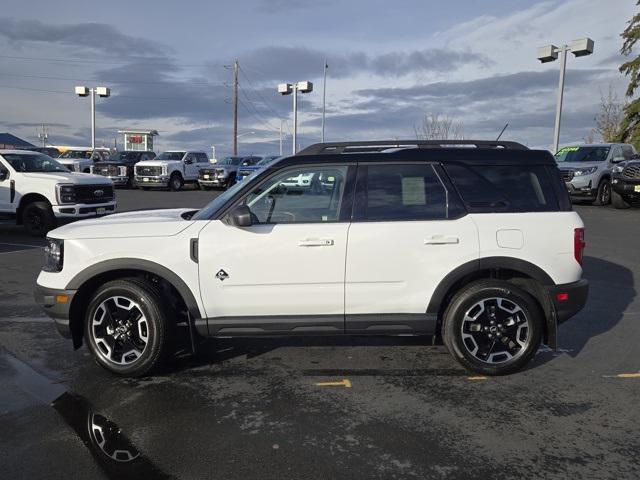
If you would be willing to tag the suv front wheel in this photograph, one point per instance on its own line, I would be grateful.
(492, 327)
(126, 327)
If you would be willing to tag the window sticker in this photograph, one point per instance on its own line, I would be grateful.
(413, 191)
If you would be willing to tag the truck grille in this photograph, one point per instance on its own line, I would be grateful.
(632, 172)
(93, 193)
(150, 171)
(567, 175)
(107, 170)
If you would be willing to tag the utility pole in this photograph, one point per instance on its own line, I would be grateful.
(44, 135)
(324, 96)
(235, 107)
(280, 137)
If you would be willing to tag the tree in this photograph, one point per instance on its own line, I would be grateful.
(436, 127)
(630, 125)
(610, 116)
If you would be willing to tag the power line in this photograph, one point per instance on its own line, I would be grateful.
(46, 77)
(257, 92)
(256, 116)
(108, 62)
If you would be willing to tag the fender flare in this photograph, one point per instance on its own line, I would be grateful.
(143, 266)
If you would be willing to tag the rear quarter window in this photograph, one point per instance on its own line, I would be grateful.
(504, 188)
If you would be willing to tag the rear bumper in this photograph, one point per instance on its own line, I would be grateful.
(50, 301)
(568, 299)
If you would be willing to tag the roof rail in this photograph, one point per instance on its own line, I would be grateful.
(382, 145)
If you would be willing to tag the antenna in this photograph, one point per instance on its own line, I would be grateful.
(502, 131)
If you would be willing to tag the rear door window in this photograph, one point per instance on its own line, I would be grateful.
(504, 188)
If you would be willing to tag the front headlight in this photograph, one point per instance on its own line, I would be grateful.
(91, 169)
(53, 255)
(584, 171)
(618, 168)
(123, 171)
(66, 193)
(76, 166)
(165, 170)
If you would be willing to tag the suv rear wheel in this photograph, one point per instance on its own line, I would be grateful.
(492, 327)
(126, 326)
(38, 218)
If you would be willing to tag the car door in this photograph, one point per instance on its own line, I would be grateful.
(191, 166)
(5, 188)
(407, 234)
(284, 273)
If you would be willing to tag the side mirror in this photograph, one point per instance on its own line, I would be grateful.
(188, 161)
(4, 174)
(618, 159)
(240, 216)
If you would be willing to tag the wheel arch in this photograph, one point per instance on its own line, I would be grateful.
(514, 270)
(89, 280)
(26, 200)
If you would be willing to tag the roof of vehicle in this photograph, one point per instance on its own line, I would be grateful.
(478, 152)
(19, 152)
(601, 144)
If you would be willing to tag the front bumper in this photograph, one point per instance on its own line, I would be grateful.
(118, 180)
(84, 210)
(213, 182)
(626, 187)
(142, 181)
(56, 303)
(568, 299)
(582, 187)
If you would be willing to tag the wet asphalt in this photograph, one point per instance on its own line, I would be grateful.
(401, 408)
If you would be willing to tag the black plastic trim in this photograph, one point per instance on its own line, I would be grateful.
(12, 190)
(578, 293)
(276, 325)
(391, 323)
(59, 312)
(193, 249)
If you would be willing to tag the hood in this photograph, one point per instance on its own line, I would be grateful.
(147, 223)
(69, 177)
(582, 165)
(71, 161)
(157, 163)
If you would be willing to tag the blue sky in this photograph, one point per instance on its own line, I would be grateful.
(390, 63)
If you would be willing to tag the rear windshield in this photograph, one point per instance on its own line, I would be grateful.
(504, 188)
(582, 154)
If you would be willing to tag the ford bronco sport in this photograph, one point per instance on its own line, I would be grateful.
(471, 241)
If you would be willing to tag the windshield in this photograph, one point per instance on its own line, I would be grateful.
(35, 162)
(120, 156)
(582, 154)
(76, 154)
(170, 156)
(230, 161)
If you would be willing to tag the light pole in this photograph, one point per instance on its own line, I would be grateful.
(288, 89)
(103, 92)
(549, 53)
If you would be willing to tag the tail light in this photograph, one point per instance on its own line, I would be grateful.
(578, 244)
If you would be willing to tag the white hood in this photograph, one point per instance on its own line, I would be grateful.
(68, 177)
(147, 223)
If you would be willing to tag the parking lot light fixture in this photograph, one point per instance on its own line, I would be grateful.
(294, 88)
(549, 53)
(103, 92)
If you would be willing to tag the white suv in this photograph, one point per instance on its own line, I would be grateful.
(477, 245)
(172, 169)
(37, 191)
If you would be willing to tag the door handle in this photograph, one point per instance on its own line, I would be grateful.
(441, 240)
(315, 242)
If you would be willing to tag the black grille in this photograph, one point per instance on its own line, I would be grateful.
(206, 171)
(107, 170)
(632, 172)
(567, 175)
(148, 170)
(93, 193)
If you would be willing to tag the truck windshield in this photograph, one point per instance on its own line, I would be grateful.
(76, 154)
(122, 156)
(229, 161)
(34, 163)
(170, 156)
(582, 154)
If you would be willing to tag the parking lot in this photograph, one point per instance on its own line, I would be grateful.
(327, 407)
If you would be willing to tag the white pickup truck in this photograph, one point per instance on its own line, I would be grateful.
(37, 191)
(81, 159)
(172, 168)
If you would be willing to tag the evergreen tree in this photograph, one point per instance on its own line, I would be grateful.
(630, 125)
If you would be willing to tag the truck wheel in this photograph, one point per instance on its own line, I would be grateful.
(126, 327)
(175, 182)
(492, 327)
(618, 201)
(230, 182)
(38, 218)
(603, 195)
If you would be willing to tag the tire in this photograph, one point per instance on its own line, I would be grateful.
(111, 334)
(618, 200)
(196, 185)
(38, 219)
(477, 343)
(230, 182)
(175, 182)
(603, 195)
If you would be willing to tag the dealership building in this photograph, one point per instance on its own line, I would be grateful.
(141, 140)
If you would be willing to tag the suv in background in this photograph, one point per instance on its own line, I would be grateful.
(586, 169)
(625, 181)
(477, 245)
(252, 164)
(221, 174)
(37, 191)
(81, 159)
(172, 169)
(119, 168)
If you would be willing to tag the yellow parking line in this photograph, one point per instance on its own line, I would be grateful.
(624, 375)
(477, 378)
(344, 383)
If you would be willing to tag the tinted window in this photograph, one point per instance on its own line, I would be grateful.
(202, 158)
(35, 162)
(505, 188)
(305, 194)
(582, 154)
(404, 192)
(627, 152)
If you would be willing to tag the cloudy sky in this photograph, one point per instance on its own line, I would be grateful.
(390, 64)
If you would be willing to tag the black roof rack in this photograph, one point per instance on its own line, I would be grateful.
(382, 145)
